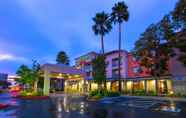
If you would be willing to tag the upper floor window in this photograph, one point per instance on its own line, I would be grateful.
(89, 74)
(115, 62)
(136, 70)
(134, 58)
(88, 67)
(107, 63)
(115, 73)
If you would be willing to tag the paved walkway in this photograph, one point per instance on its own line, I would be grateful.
(158, 98)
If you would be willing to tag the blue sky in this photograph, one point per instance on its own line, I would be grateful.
(38, 29)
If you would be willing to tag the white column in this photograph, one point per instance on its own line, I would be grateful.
(46, 88)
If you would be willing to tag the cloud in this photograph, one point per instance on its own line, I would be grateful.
(10, 57)
(8, 45)
(64, 22)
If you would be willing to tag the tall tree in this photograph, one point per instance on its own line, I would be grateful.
(98, 65)
(62, 58)
(25, 75)
(35, 73)
(180, 45)
(119, 15)
(29, 76)
(102, 25)
(179, 20)
(179, 14)
(173, 28)
(153, 52)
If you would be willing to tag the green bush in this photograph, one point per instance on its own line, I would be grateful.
(112, 94)
(23, 93)
(26, 93)
(39, 93)
(139, 92)
(94, 93)
(152, 93)
(103, 93)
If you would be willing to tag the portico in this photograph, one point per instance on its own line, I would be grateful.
(62, 78)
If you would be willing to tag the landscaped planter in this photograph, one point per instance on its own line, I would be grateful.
(3, 106)
(93, 98)
(33, 97)
(99, 94)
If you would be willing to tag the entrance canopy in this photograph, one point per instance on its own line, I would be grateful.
(61, 68)
(60, 71)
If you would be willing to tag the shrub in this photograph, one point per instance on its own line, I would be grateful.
(26, 93)
(23, 93)
(103, 93)
(39, 93)
(139, 92)
(152, 93)
(94, 93)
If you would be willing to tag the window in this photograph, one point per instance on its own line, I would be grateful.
(88, 74)
(107, 63)
(134, 59)
(115, 62)
(88, 67)
(115, 73)
(136, 70)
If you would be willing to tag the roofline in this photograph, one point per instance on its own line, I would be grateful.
(114, 51)
(107, 53)
(92, 52)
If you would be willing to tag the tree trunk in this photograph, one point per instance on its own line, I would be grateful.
(103, 53)
(102, 45)
(119, 66)
(35, 86)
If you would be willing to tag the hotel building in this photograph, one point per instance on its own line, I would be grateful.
(79, 78)
(136, 77)
(111, 59)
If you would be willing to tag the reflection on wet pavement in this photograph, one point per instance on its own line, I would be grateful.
(77, 107)
(168, 107)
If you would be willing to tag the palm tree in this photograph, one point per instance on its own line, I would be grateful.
(119, 15)
(62, 58)
(102, 25)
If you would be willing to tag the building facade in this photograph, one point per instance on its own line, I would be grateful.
(133, 77)
(178, 72)
(3, 80)
(3, 77)
(138, 78)
(111, 60)
(61, 78)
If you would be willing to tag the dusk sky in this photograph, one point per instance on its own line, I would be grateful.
(39, 29)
